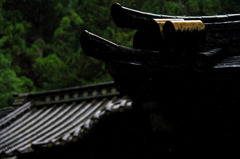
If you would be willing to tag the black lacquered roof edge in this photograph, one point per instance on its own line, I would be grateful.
(129, 18)
(108, 51)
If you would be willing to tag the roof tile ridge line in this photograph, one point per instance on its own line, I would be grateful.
(27, 106)
(87, 119)
(100, 115)
(79, 132)
(84, 129)
(65, 90)
(54, 141)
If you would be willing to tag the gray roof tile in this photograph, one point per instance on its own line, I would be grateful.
(46, 123)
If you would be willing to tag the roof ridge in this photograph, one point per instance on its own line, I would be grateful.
(66, 95)
(64, 89)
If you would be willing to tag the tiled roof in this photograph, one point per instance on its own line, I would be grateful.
(57, 117)
(230, 62)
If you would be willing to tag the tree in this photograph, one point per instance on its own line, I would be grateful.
(39, 40)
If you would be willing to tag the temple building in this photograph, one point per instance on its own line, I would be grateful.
(176, 91)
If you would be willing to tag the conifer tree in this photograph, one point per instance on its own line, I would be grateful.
(39, 40)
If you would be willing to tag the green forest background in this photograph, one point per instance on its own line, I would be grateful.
(39, 39)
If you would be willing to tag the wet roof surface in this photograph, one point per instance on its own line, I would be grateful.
(58, 117)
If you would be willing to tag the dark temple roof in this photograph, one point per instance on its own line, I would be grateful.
(57, 117)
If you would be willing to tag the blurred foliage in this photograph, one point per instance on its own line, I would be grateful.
(39, 40)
